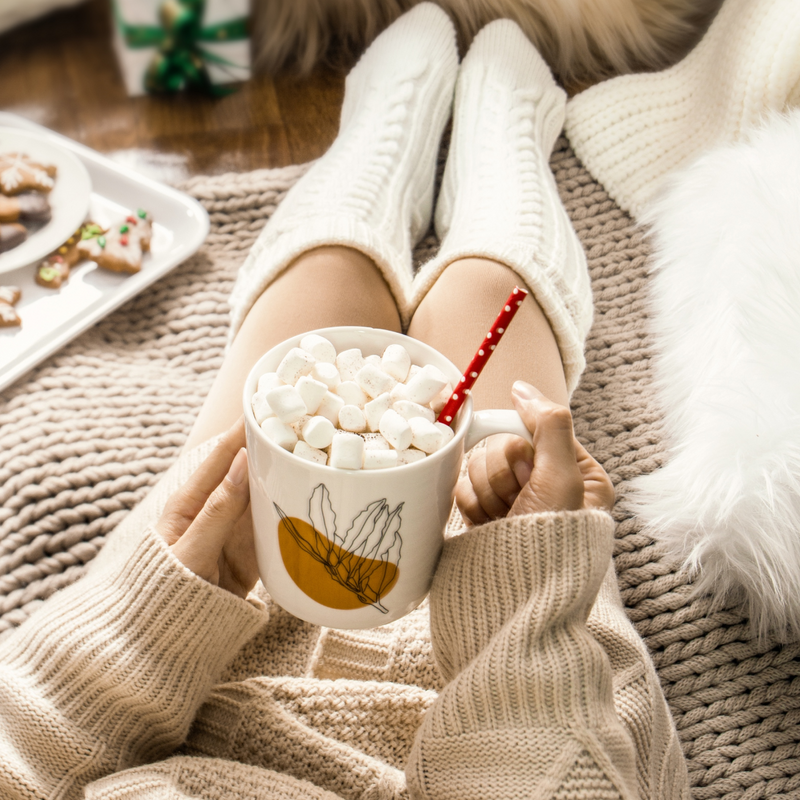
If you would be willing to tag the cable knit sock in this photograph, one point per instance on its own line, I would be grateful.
(499, 198)
(373, 189)
(632, 131)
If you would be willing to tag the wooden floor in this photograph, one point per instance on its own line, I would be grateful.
(62, 72)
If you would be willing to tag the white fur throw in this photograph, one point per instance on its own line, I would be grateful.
(725, 300)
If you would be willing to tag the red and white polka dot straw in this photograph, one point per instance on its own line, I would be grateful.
(448, 413)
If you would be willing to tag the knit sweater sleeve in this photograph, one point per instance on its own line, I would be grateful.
(528, 710)
(110, 672)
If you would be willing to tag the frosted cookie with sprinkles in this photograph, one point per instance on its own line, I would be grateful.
(55, 269)
(120, 248)
(20, 173)
(9, 295)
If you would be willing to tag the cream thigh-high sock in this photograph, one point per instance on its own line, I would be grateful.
(634, 130)
(499, 199)
(373, 190)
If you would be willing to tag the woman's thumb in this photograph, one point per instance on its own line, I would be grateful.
(556, 479)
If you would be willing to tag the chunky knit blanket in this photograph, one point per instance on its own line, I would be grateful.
(85, 436)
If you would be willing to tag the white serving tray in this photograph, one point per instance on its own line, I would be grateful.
(51, 318)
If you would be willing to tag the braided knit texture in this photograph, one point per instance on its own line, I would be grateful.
(86, 435)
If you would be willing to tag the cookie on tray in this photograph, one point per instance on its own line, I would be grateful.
(9, 295)
(120, 248)
(20, 173)
(55, 269)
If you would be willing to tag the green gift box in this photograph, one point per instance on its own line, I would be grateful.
(164, 46)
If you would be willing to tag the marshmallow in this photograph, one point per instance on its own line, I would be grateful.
(396, 362)
(297, 425)
(320, 406)
(282, 435)
(351, 393)
(374, 381)
(425, 435)
(400, 392)
(312, 392)
(446, 430)
(319, 432)
(303, 450)
(329, 407)
(380, 459)
(409, 456)
(440, 401)
(294, 365)
(348, 362)
(351, 418)
(287, 404)
(326, 373)
(319, 347)
(425, 385)
(374, 441)
(347, 451)
(269, 380)
(406, 409)
(261, 408)
(376, 408)
(395, 430)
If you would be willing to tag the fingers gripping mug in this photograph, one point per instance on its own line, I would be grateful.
(356, 548)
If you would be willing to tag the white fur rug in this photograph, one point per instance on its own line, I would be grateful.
(725, 301)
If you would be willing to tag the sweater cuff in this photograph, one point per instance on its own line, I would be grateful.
(555, 562)
(135, 648)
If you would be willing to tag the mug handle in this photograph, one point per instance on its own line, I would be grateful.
(486, 423)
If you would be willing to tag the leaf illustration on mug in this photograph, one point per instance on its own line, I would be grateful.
(350, 571)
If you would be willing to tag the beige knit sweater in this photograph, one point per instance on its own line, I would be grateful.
(144, 681)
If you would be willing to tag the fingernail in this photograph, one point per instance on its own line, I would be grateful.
(524, 390)
(238, 471)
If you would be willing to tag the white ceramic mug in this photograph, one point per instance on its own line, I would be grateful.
(356, 548)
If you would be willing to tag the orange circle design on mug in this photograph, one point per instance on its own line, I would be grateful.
(347, 570)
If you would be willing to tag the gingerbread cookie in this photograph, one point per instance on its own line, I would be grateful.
(120, 249)
(55, 269)
(20, 173)
(9, 295)
(52, 272)
(24, 207)
(11, 236)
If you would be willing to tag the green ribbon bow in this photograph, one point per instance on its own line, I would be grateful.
(181, 61)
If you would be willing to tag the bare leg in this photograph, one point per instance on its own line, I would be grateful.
(458, 311)
(324, 287)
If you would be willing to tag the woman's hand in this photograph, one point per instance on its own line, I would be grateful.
(207, 522)
(509, 477)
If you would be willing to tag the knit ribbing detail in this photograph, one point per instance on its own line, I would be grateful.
(553, 563)
(132, 651)
(400, 652)
(634, 130)
(183, 778)
(343, 736)
(586, 781)
(505, 644)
